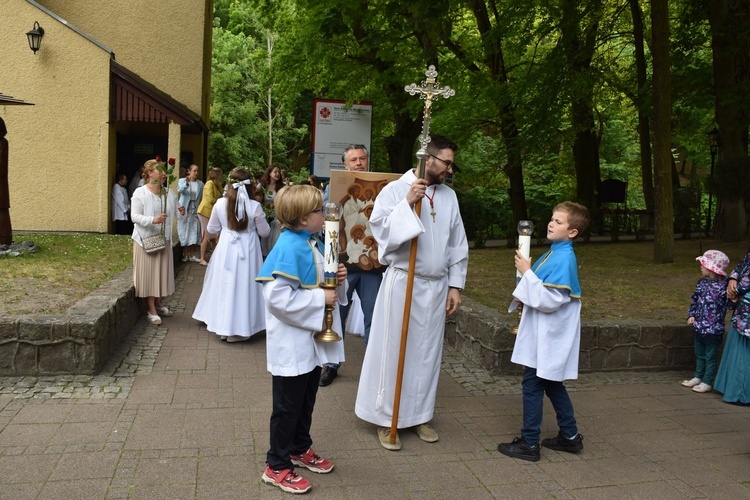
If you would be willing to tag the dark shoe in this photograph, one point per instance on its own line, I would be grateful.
(327, 376)
(287, 480)
(561, 443)
(519, 449)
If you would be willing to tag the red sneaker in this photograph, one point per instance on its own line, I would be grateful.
(287, 480)
(313, 462)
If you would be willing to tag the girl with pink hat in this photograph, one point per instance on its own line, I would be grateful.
(706, 314)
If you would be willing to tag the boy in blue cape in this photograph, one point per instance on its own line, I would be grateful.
(295, 310)
(549, 335)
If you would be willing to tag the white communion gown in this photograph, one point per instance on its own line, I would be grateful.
(231, 302)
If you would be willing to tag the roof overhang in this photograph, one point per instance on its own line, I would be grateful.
(136, 100)
(6, 100)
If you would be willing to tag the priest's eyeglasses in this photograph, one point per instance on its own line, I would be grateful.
(448, 164)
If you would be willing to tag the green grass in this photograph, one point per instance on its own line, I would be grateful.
(66, 269)
(619, 280)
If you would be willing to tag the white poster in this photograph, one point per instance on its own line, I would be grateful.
(335, 126)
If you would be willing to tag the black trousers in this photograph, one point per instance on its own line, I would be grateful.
(123, 227)
(291, 419)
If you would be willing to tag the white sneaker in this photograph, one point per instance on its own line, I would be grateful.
(702, 388)
(691, 383)
(194, 259)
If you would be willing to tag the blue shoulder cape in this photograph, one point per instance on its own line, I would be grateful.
(558, 268)
(292, 258)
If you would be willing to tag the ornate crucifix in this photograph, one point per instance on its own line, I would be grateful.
(429, 91)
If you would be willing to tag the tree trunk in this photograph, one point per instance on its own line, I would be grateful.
(400, 145)
(731, 63)
(664, 208)
(644, 133)
(494, 59)
(579, 41)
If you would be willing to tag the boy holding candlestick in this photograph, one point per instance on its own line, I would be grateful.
(549, 335)
(295, 310)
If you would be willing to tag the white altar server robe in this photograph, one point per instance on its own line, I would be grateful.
(291, 349)
(549, 335)
(442, 261)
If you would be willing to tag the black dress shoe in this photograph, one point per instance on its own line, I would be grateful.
(519, 449)
(561, 443)
(327, 376)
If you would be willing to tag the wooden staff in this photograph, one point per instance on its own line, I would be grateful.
(407, 315)
(429, 91)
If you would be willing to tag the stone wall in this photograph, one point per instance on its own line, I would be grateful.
(77, 342)
(484, 336)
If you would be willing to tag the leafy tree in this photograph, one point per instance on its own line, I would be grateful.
(552, 95)
(250, 124)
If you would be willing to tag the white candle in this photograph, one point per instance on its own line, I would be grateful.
(331, 254)
(524, 246)
(525, 230)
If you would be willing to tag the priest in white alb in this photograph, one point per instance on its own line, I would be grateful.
(440, 274)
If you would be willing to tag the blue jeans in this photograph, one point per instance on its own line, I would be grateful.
(705, 356)
(367, 284)
(534, 389)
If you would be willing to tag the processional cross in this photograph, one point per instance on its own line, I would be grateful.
(429, 91)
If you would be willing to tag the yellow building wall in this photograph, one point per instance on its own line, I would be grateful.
(166, 42)
(59, 149)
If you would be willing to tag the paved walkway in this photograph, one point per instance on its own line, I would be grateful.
(182, 415)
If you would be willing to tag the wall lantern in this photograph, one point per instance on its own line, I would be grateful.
(35, 37)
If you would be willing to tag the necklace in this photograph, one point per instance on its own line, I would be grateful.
(432, 202)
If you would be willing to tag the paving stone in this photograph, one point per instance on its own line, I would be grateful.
(179, 414)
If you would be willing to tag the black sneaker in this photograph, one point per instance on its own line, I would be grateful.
(519, 449)
(561, 443)
(327, 376)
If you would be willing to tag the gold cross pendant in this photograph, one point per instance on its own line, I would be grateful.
(433, 215)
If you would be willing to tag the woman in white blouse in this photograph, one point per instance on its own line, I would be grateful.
(153, 208)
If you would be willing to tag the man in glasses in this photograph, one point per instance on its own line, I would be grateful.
(365, 282)
(440, 273)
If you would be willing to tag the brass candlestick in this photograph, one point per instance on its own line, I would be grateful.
(332, 213)
(525, 229)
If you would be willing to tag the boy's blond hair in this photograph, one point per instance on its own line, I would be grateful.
(578, 215)
(292, 203)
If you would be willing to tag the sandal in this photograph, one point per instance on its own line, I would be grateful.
(154, 319)
(164, 311)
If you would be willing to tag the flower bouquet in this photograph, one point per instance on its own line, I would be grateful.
(158, 242)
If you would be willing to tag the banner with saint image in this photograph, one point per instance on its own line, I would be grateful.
(356, 192)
